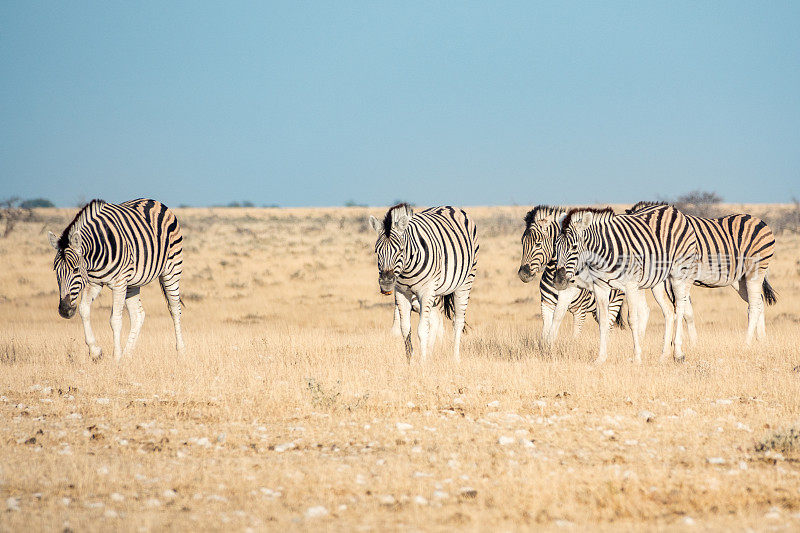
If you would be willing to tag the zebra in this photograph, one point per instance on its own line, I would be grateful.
(733, 248)
(427, 254)
(631, 252)
(542, 224)
(124, 246)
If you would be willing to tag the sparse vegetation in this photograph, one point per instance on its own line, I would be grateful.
(699, 203)
(294, 407)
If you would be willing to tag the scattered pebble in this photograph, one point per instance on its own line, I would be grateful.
(505, 441)
(317, 511)
(715, 460)
(404, 426)
(285, 446)
(387, 499)
(117, 497)
(12, 504)
(647, 416)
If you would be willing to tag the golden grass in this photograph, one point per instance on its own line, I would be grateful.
(293, 395)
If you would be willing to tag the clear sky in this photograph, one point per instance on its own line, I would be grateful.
(316, 103)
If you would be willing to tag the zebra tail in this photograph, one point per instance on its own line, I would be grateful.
(449, 308)
(770, 295)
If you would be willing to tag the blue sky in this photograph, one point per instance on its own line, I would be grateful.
(317, 103)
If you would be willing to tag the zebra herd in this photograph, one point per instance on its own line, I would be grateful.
(591, 260)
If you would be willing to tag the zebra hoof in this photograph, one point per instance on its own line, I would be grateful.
(96, 354)
(681, 359)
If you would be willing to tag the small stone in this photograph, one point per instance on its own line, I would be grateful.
(403, 426)
(169, 494)
(12, 504)
(285, 447)
(440, 495)
(495, 403)
(317, 511)
(110, 513)
(419, 500)
(117, 497)
(715, 460)
(387, 499)
(505, 441)
(467, 492)
(647, 416)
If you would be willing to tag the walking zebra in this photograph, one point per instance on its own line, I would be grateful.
(630, 252)
(542, 224)
(427, 254)
(733, 248)
(124, 246)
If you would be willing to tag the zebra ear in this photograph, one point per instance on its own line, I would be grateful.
(560, 219)
(375, 224)
(582, 221)
(53, 240)
(401, 223)
(75, 242)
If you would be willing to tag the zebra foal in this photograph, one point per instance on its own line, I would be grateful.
(124, 246)
(542, 224)
(424, 255)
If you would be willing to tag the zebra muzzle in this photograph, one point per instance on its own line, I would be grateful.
(561, 282)
(525, 273)
(65, 308)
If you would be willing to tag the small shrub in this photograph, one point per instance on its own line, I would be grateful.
(785, 443)
(699, 203)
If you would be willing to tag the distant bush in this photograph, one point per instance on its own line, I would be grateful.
(11, 212)
(36, 202)
(787, 220)
(699, 203)
(243, 203)
(353, 203)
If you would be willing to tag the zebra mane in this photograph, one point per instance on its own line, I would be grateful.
(391, 216)
(568, 219)
(77, 222)
(541, 212)
(642, 205)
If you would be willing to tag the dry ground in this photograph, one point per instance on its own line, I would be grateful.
(294, 407)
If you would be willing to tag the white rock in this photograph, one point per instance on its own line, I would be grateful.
(153, 502)
(387, 499)
(608, 432)
(103, 470)
(65, 502)
(495, 403)
(12, 504)
(169, 494)
(285, 447)
(419, 500)
(505, 441)
(647, 416)
(204, 442)
(117, 497)
(440, 495)
(317, 511)
(110, 513)
(404, 426)
(410, 405)
(715, 460)
(688, 520)
(742, 465)
(103, 401)
(458, 400)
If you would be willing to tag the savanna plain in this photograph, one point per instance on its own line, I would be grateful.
(294, 407)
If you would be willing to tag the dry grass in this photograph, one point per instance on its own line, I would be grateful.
(293, 395)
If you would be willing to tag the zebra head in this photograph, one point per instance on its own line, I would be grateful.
(390, 244)
(541, 227)
(570, 247)
(70, 268)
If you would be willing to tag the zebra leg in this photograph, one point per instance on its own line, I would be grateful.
(461, 299)
(90, 292)
(667, 309)
(565, 299)
(136, 313)
(437, 327)
(690, 325)
(396, 320)
(681, 288)
(547, 320)
(423, 331)
(578, 318)
(118, 292)
(756, 305)
(404, 312)
(636, 305)
(601, 296)
(171, 287)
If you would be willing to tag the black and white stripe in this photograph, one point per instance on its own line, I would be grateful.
(427, 254)
(124, 246)
(542, 224)
(734, 250)
(632, 252)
